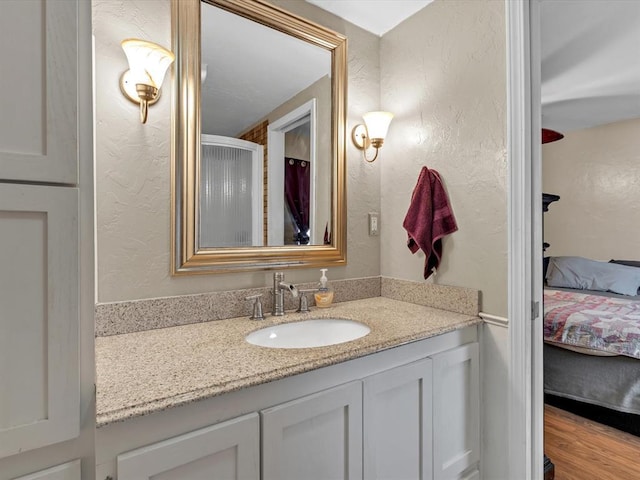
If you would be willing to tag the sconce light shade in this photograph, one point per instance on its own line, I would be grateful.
(372, 133)
(377, 125)
(148, 64)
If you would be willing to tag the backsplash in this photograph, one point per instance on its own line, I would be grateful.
(454, 299)
(137, 315)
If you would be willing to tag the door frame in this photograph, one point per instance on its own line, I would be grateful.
(526, 400)
(275, 166)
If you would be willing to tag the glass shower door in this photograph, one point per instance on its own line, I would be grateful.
(231, 193)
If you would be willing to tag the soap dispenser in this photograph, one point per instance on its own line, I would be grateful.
(324, 295)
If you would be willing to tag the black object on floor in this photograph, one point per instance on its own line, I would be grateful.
(627, 422)
(549, 469)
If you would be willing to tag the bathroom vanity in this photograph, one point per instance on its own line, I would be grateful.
(198, 401)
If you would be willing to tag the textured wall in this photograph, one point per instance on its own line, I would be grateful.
(443, 75)
(133, 163)
(596, 172)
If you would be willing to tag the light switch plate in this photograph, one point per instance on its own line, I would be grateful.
(374, 224)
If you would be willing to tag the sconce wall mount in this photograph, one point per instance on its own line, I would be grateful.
(148, 64)
(372, 133)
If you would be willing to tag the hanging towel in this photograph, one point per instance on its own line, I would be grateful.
(429, 218)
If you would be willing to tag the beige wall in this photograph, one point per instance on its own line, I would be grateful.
(443, 75)
(596, 172)
(133, 169)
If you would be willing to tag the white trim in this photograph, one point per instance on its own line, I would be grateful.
(275, 140)
(536, 338)
(525, 425)
(494, 320)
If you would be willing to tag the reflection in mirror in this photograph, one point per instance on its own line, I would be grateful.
(260, 183)
(254, 92)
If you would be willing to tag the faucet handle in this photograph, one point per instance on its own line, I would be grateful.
(257, 307)
(304, 301)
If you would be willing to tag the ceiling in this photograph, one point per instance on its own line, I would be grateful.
(375, 16)
(590, 58)
(590, 52)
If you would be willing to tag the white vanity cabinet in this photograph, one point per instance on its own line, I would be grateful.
(229, 450)
(456, 413)
(46, 241)
(317, 437)
(39, 91)
(398, 434)
(409, 412)
(39, 347)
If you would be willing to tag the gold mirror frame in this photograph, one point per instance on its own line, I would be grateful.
(186, 256)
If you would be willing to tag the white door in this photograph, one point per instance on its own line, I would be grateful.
(226, 451)
(456, 412)
(67, 471)
(397, 423)
(39, 321)
(318, 437)
(39, 91)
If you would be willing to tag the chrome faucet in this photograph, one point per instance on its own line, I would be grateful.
(279, 287)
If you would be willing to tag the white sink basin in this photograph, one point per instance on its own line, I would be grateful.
(308, 333)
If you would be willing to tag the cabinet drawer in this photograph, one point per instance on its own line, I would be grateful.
(67, 471)
(228, 451)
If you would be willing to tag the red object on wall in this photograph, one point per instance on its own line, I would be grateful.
(549, 136)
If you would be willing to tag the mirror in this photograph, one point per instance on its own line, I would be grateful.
(258, 165)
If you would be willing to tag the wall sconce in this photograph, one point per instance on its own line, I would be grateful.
(148, 63)
(372, 133)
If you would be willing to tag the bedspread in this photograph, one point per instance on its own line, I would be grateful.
(592, 321)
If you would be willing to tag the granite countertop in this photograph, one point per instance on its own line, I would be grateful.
(144, 372)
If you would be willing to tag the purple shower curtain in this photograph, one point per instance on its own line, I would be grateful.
(297, 183)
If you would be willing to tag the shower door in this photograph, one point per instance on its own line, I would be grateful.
(231, 193)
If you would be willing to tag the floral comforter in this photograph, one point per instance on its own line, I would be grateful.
(591, 321)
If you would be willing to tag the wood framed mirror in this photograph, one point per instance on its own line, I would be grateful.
(258, 139)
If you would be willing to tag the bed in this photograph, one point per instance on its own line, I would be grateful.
(592, 349)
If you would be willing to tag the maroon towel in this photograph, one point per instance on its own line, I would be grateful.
(429, 218)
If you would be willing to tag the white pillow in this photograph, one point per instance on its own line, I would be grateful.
(584, 274)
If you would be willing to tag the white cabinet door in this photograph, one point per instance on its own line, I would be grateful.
(39, 323)
(318, 437)
(456, 411)
(397, 423)
(67, 471)
(39, 91)
(226, 451)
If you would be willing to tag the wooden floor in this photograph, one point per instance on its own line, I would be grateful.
(585, 450)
